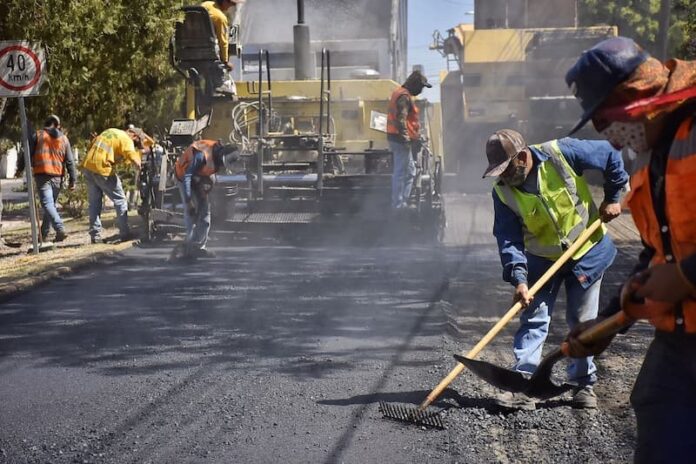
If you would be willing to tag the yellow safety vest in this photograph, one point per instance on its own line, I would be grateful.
(559, 213)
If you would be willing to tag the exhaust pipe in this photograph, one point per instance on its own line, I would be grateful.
(305, 60)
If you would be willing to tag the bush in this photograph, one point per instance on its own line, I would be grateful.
(75, 201)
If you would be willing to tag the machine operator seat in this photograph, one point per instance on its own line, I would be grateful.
(195, 46)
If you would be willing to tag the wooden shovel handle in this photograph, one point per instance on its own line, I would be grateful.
(512, 312)
(606, 328)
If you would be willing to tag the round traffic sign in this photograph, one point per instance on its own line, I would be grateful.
(20, 68)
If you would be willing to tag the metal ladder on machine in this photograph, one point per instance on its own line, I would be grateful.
(265, 110)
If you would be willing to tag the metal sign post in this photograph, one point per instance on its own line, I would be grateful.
(22, 66)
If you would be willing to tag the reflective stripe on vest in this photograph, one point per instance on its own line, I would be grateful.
(49, 154)
(412, 120)
(555, 218)
(185, 159)
(680, 197)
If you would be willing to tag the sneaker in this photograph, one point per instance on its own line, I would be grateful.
(509, 400)
(584, 398)
(60, 236)
(96, 239)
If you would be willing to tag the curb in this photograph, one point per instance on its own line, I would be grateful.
(14, 289)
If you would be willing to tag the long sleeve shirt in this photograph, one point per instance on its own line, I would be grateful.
(221, 27)
(197, 163)
(508, 228)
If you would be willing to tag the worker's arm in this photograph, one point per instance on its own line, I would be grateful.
(600, 155)
(32, 147)
(70, 163)
(221, 26)
(403, 104)
(196, 163)
(507, 230)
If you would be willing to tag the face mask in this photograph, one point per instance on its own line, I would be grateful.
(627, 134)
(517, 178)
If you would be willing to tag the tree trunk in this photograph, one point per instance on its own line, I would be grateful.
(663, 32)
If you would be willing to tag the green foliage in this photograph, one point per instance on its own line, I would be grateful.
(637, 19)
(74, 202)
(686, 9)
(108, 62)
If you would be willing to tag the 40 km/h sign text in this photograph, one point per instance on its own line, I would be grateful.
(22, 69)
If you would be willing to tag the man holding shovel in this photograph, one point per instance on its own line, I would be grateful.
(542, 204)
(636, 101)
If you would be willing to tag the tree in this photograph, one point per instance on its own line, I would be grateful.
(108, 62)
(686, 9)
(638, 19)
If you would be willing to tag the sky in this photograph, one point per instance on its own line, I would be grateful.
(424, 17)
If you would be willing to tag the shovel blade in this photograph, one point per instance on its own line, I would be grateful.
(504, 379)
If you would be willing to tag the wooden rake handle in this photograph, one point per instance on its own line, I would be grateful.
(512, 312)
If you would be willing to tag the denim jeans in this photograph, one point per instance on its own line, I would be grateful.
(97, 187)
(49, 188)
(664, 401)
(404, 172)
(582, 305)
(197, 227)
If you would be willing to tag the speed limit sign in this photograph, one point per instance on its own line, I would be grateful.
(22, 69)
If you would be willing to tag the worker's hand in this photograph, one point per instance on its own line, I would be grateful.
(664, 282)
(522, 295)
(191, 208)
(577, 349)
(229, 66)
(609, 211)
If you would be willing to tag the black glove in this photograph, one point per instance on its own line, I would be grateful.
(416, 146)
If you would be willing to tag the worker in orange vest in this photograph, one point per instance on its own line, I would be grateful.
(403, 134)
(50, 155)
(636, 101)
(195, 169)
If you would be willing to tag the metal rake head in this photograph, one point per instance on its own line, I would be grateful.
(412, 415)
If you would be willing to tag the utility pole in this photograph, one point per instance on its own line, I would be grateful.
(663, 30)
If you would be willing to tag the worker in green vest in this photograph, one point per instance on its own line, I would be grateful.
(542, 204)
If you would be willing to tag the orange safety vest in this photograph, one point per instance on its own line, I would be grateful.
(49, 154)
(185, 159)
(680, 198)
(412, 120)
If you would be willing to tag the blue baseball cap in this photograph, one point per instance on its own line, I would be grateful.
(599, 70)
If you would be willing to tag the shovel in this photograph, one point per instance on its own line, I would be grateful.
(540, 385)
(412, 415)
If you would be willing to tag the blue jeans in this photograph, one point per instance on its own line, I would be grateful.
(664, 401)
(97, 187)
(49, 188)
(582, 305)
(197, 227)
(404, 172)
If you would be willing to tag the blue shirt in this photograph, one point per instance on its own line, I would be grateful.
(507, 227)
(197, 162)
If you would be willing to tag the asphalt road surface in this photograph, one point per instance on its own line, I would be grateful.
(270, 354)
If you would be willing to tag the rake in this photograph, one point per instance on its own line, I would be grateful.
(413, 415)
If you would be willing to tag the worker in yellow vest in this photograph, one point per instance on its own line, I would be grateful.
(403, 134)
(195, 170)
(636, 101)
(111, 147)
(51, 154)
(542, 204)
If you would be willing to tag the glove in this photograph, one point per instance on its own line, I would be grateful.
(191, 208)
(638, 307)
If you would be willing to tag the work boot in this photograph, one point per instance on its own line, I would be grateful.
(584, 398)
(509, 400)
(96, 239)
(60, 236)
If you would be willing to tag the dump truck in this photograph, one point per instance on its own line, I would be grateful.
(309, 118)
(506, 70)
